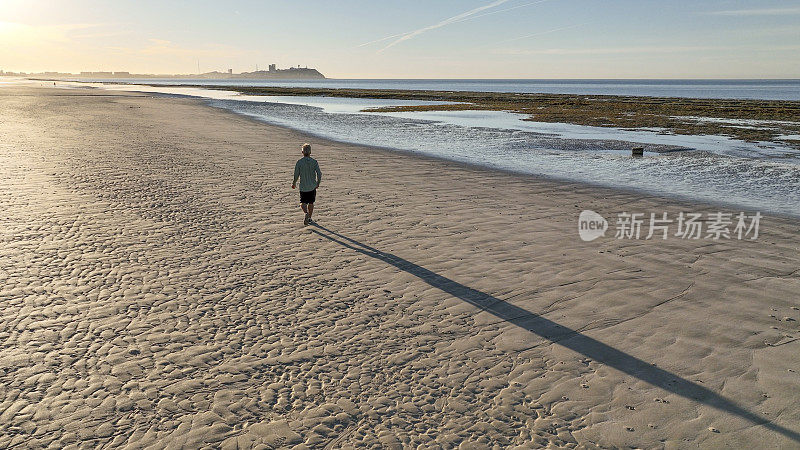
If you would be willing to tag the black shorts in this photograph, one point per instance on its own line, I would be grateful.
(308, 197)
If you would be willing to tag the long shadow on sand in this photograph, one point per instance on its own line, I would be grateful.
(562, 335)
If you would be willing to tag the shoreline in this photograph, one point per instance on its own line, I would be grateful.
(678, 115)
(647, 178)
(162, 291)
(564, 182)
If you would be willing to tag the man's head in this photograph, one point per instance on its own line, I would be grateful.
(306, 149)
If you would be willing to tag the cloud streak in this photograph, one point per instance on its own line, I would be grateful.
(501, 10)
(611, 50)
(756, 12)
(449, 21)
(543, 33)
(14, 33)
(380, 40)
(467, 15)
(463, 19)
(647, 50)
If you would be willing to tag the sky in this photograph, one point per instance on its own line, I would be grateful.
(410, 38)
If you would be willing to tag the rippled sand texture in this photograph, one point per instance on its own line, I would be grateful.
(158, 289)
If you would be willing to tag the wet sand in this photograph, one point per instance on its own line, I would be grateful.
(159, 290)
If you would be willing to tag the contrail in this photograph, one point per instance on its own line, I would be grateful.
(451, 21)
(501, 10)
(542, 32)
(379, 40)
(454, 19)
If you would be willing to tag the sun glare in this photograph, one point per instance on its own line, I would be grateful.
(7, 28)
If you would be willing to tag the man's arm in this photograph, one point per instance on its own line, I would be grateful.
(319, 175)
(296, 174)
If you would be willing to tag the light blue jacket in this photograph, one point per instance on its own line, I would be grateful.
(307, 169)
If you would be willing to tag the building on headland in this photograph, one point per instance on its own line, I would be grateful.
(274, 72)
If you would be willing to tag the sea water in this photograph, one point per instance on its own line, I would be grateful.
(732, 173)
(731, 89)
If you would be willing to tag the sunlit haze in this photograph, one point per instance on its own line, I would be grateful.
(409, 39)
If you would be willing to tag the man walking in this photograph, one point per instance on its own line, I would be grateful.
(307, 169)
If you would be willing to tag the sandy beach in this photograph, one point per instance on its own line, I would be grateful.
(160, 291)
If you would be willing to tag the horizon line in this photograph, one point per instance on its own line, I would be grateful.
(797, 78)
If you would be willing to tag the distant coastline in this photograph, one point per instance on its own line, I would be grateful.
(273, 73)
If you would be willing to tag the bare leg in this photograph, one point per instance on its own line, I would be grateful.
(305, 208)
(310, 209)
